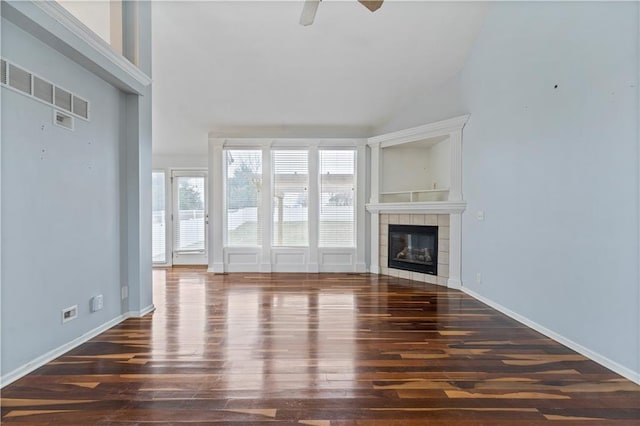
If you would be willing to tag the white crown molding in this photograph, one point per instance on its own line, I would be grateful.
(289, 142)
(439, 128)
(54, 25)
(427, 207)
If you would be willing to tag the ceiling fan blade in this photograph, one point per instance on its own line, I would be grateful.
(309, 10)
(372, 5)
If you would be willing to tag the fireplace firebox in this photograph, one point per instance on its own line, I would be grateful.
(414, 248)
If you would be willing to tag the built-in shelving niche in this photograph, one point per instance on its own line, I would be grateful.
(416, 175)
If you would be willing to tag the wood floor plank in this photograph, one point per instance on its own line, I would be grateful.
(319, 350)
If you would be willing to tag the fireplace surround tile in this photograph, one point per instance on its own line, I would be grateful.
(416, 219)
(407, 275)
(404, 219)
(443, 232)
(431, 219)
(431, 279)
(443, 270)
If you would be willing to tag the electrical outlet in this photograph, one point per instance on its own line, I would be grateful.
(480, 215)
(479, 278)
(124, 292)
(97, 303)
(69, 313)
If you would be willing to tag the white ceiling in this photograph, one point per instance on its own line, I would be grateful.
(249, 69)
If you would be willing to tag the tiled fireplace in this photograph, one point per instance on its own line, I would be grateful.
(416, 179)
(439, 220)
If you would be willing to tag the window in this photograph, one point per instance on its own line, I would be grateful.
(243, 197)
(337, 179)
(158, 207)
(190, 226)
(290, 198)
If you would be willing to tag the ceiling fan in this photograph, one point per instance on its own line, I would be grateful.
(311, 7)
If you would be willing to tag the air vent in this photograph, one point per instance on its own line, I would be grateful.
(3, 72)
(42, 90)
(80, 107)
(63, 99)
(62, 120)
(19, 79)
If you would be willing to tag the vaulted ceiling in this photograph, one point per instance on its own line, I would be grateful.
(249, 69)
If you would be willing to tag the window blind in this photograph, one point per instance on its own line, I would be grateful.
(190, 223)
(243, 185)
(290, 198)
(158, 245)
(337, 214)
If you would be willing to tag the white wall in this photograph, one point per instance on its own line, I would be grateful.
(94, 14)
(76, 205)
(439, 165)
(439, 103)
(554, 169)
(168, 162)
(405, 169)
(60, 207)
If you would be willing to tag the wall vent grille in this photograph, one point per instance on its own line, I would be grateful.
(19, 79)
(63, 99)
(23, 81)
(3, 72)
(42, 90)
(80, 107)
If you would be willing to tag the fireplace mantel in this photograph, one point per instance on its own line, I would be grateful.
(427, 207)
(418, 139)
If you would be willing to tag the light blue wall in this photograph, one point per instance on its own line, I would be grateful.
(556, 170)
(60, 207)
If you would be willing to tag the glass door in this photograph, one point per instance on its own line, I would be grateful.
(159, 230)
(190, 220)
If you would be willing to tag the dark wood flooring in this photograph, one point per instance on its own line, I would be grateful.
(327, 349)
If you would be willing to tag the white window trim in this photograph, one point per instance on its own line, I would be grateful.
(268, 256)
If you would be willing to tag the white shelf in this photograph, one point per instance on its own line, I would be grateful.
(412, 196)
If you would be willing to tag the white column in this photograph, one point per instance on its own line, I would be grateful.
(374, 262)
(361, 187)
(265, 255)
(375, 173)
(375, 243)
(313, 208)
(455, 240)
(455, 186)
(138, 253)
(216, 206)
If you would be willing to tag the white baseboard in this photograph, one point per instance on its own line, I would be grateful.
(142, 312)
(454, 283)
(38, 362)
(594, 356)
